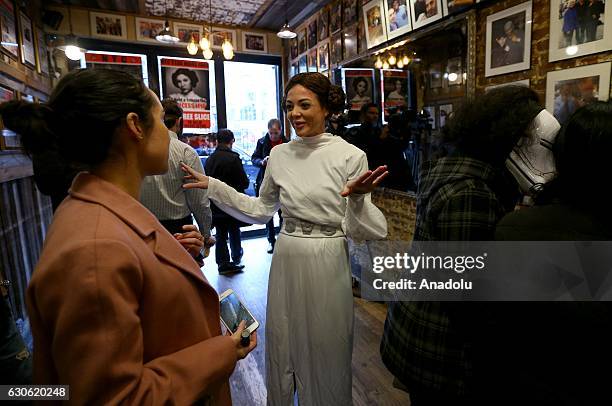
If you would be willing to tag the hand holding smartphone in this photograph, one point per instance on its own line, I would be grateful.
(233, 311)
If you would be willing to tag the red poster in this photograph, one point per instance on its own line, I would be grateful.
(394, 89)
(359, 88)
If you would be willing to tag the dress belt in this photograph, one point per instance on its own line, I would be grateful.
(301, 228)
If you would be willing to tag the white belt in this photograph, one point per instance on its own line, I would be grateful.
(301, 228)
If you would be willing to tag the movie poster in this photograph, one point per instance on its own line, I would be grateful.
(359, 88)
(131, 64)
(394, 89)
(187, 82)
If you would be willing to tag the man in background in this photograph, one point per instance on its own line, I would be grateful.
(225, 165)
(165, 197)
(260, 159)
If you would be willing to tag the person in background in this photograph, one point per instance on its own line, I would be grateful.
(225, 165)
(164, 195)
(461, 197)
(259, 158)
(364, 135)
(99, 297)
(314, 178)
(570, 23)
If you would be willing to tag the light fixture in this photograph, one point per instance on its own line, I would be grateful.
(385, 65)
(208, 53)
(400, 64)
(285, 32)
(392, 60)
(571, 50)
(452, 77)
(228, 49)
(378, 64)
(166, 35)
(406, 60)
(204, 43)
(71, 44)
(192, 47)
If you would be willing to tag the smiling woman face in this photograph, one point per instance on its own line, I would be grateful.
(305, 112)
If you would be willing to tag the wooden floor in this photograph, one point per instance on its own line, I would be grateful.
(372, 383)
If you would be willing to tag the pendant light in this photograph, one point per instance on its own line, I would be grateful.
(71, 44)
(205, 43)
(166, 35)
(285, 32)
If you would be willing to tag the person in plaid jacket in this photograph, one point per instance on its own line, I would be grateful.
(461, 197)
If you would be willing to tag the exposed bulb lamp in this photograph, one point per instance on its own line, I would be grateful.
(166, 35)
(285, 32)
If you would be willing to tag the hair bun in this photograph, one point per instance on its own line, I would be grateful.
(30, 121)
(336, 100)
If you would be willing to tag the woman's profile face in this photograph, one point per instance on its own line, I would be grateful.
(305, 112)
(184, 83)
(361, 87)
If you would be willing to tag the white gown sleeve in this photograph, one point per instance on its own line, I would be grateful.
(362, 220)
(258, 210)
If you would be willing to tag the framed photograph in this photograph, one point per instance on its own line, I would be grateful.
(26, 41)
(294, 70)
(455, 6)
(135, 65)
(185, 31)
(294, 48)
(349, 7)
(508, 40)
(335, 17)
(324, 57)
(323, 24)
(312, 33)
(579, 27)
(398, 17)
(431, 111)
(362, 45)
(373, 18)
(336, 49)
(303, 64)
(394, 90)
(454, 72)
(219, 35)
(108, 26)
(435, 75)
(312, 60)
(444, 111)
(302, 41)
(8, 29)
(254, 42)
(148, 28)
(423, 12)
(349, 37)
(358, 85)
(42, 65)
(569, 89)
(8, 139)
(524, 82)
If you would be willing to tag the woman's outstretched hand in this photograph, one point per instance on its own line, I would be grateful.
(366, 182)
(198, 180)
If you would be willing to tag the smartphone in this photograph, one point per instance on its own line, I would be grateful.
(233, 311)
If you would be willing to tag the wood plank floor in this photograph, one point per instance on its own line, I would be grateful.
(372, 383)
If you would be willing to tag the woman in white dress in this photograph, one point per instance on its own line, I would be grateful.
(322, 184)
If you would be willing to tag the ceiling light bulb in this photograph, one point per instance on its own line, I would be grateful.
(286, 33)
(192, 47)
(400, 64)
(204, 43)
(392, 60)
(166, 36)
(406, 60)
(385, 65)
(73, 52)
(379, 63)
(208, 53)
(452, 77)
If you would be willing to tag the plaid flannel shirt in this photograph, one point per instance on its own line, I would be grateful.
(423, 344)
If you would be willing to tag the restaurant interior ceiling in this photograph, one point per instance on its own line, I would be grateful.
(262, 14)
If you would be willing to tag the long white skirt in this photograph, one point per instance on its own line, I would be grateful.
(309, 330)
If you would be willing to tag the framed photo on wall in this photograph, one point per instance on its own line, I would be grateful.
(398, 17)
(302, 41)
(295, 69)
(588, 25)
(324, 57)
(508, 40)
(524, 82)
(312, 33)
(323, 24)
(148, 28)
(569, 89)
(8, 29)
(444, 111)
(362, 45)
(303, 64)
(435, 75)
(455, 6)
(335, 17)
(26, 41)
(431, 111)
(374, 20)
(336, 48)
(107, 26)
(358, 84)
(425, 12)
(349, 37)
(219, 35)
(349, 8)
(294, 48)
(185, 31)
(312, 60)
(8, 139)
(256, 42)
(43, 54)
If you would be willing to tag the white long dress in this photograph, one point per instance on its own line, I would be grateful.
(309, 330)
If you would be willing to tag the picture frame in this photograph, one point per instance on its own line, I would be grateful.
(336, 48)
(359, 86)
(303, 64)
(302, 40)
(569, 89)
(397, 20)
(312, 60)
(349, 12)
(421, 15)
(335, 17)
(508, 40)
(395, 89)
(349, 42)
(455, 6)
(323, 24)
(362, 45)
(8, 29)
(148, 28)
(8, 139)
(524, 82)
(184, 31)
(312, 33)
(432, 115)
(26, 41)
(294, 70)
(444, 111)
(108, 26)
(42, 63)
(435, 75)
(374, 21)
(294, 48)
(219, 35)
(323, 52)
(254, 42)
(589, 37)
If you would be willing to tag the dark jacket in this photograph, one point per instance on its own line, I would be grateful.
(262, 150)
(225, 165)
